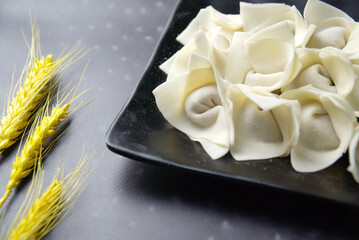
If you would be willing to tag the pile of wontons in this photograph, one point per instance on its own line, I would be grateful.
(267, 83)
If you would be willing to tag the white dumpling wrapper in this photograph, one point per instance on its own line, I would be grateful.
(353, 97)
(209, 18)
(177, 64)
(354, 155)
(334, 32)
(255, 17)
(218, 48)
(326, 127)
(266, 59)
(213, 45)
(351, 49)
(334, 28)
(265, 126)
(191, 103)
(258, 16)
(327, 69)
(238, 65)
(316, 11)
(302, 31)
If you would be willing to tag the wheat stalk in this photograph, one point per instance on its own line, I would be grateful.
(39, 215)
(38, 73)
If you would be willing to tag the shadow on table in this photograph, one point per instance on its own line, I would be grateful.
(282, 210)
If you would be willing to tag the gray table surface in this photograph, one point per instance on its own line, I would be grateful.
(125, 199)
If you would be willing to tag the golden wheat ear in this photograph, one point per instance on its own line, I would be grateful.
(32, 88)
(38, 215)
(45, 125)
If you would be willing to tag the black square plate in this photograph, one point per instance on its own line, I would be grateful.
(140, 132)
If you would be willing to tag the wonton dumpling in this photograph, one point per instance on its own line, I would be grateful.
(265, 126)
(354, 155)
(327, 69)
(334, 28)
(266, 59)
(213, 45)
(192, 104)
(326, 127)
(258, 16)
(207, 20)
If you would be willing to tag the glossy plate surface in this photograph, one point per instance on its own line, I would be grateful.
(140, 132)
